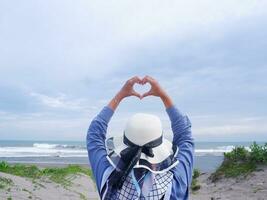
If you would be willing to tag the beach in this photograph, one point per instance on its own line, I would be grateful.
(251, 187)
(79, 186)
(22, 188)
(61, 171)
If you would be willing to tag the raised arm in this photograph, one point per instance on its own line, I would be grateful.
(180, 123)
(95, 141)
(126, 91)
(96, 134)
(182, 138)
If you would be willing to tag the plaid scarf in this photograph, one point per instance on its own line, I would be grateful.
(159, 186)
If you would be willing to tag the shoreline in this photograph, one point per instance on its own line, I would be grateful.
(205, 163)
(252, 186)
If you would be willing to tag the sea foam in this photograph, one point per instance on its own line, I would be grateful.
(67, 150)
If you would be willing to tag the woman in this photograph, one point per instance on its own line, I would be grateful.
(141, 164)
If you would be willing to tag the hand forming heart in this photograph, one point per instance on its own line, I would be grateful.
(142, 88)
(129, 90)
(130, 87)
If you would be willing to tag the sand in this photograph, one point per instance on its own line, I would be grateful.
(254, 186)
(82, 187)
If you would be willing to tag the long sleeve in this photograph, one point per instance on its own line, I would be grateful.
(95, 141)
(182, 137)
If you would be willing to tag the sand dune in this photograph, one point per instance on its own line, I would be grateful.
(252, 187)
(82, 187)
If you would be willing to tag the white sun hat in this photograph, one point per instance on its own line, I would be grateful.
(143, 134)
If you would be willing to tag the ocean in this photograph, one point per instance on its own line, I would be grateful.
(208, 155)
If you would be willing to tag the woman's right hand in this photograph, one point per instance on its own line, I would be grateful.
(156, 90)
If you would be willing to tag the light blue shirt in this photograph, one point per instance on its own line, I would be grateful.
(182, 137)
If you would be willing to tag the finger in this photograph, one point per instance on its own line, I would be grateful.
(144, 80)
(147, 79)
(135, 79)
(149, 93)
(136, 94)
(150, 77)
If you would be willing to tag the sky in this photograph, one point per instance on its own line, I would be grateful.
(62, 61)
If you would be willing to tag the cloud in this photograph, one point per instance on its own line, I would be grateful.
(43, 127)
(60, 101)
(223, 127)
(62, 61)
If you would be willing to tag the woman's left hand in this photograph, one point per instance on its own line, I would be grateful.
(128, 90)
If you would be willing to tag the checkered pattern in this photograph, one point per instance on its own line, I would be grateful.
(160, 185)
(128, 190)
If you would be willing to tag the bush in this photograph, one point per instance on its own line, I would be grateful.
(238, 154)
(241, 161)
(195, 185)
(196, 173)
(258, 153)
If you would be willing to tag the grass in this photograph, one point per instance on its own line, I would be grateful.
(30, 171)
(5, 182)
(195, 185)
(60, 175)
(57, 175)
(241, 162)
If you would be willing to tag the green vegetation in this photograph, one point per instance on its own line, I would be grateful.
(241, 161)
(82, 196)
(58, 175)
(29, 192)
(5, 182)
(29, 171)
(195, 185)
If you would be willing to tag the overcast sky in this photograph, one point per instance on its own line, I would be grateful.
(62, 61)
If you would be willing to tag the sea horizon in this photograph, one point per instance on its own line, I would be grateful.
(208, 154)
